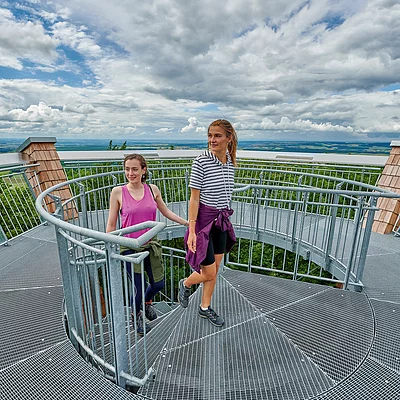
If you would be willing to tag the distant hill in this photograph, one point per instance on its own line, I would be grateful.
(9, 145)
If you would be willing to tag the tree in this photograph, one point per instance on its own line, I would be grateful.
(115, 146)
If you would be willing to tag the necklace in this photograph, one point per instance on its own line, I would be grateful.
(225, 184)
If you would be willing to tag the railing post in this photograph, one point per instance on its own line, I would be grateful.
(164, 182)
(299, 239)
(366, 240)
(117, 314)
(28, 184)
(69, 296)
(171, 275)
(254, 219)
(3, 237)
(354, 242)
(258, 198)
(296, 211)
(83, 205)
(335, 204)
(187, 192)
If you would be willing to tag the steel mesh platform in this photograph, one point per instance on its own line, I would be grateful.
(282, 339)
(57, 373)
(295, 346)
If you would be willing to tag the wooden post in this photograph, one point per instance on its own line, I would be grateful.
(49, 172)
(389, 209)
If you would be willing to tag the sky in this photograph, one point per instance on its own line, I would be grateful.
(323, 70)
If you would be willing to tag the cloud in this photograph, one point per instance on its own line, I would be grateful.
(285, 124)
(35, 113)
(163, 130)
(80, 109)
(76, 38)
(293, 67)
(193, 126)
(24, 40)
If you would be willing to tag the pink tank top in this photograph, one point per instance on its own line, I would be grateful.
(136, 211)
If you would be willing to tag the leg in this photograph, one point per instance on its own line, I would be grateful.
(137, 280)
(141, 326)
(151, 291)
(154, 287)
(205, 310)
(208, 286)
(210, 265)
(207, 273)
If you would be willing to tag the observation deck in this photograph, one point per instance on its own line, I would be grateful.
(283, 338)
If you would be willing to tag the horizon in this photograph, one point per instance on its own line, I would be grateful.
(338, 147)
(168, 140)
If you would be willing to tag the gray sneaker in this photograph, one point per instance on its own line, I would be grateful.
(150, 312)
(183, 294)
(212, 316)
(140, 326)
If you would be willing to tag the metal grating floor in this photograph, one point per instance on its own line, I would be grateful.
(37, 361)
(57, 373)
(282, 339)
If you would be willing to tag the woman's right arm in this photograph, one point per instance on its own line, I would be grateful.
(194, 203)
(115, 204)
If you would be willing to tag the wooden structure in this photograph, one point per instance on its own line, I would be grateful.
(386, 217)
(48, 172)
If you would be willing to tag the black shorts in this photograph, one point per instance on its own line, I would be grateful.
(216, 245)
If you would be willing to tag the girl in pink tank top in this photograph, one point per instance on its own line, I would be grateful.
(138, 202)
(136, 211)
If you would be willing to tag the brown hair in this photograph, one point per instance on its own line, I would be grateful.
(142, 162)
(230, 133)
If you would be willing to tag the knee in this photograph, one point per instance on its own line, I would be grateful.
(159, 285)
(210, 277)
(209, 273)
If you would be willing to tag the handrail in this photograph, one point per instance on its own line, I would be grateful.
(155, 227)
(324, 226)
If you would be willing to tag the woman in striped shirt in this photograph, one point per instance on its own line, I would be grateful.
(210, 232)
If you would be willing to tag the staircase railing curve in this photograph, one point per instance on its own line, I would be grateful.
(289, 228)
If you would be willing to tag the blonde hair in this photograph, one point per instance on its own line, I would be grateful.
(231, 134)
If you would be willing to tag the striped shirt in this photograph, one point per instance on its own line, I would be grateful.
(213, 179)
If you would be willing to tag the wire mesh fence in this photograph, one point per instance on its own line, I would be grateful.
(17, 202)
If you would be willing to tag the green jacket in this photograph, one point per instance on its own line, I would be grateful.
(155, 255)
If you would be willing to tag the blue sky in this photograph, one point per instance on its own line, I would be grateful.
(287, 70)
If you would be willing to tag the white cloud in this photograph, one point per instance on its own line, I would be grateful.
(193, 126)
(285, 124)
(80, 109)
(272, 68)
(36, 113)
(76, 38)
(24, 40)
(164, 130)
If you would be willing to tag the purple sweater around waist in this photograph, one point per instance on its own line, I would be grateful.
(206, 218)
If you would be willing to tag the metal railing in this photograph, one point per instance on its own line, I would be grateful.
(396, 227)
(17, 202)
(318, 235)
(97, 295)
(286, 227)
(18, 214)
(363, 174)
